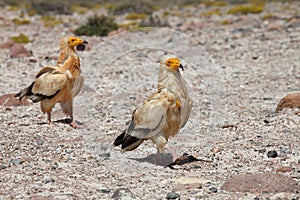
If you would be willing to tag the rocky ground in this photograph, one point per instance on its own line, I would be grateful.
(237, 73)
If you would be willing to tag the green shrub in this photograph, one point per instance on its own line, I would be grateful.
(97, 25)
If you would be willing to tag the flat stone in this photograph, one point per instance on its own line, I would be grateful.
(9, 100)
(261, 183)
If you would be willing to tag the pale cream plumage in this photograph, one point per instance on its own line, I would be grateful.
(58, 84)
(163, 114)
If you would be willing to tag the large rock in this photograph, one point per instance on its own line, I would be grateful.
(261, 183)
(18, 51)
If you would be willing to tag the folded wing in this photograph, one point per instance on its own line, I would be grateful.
(149, 118)
(49, 84)
(49, 81)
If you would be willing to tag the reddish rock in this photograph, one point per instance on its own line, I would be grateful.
(6, 45)
(18, 51)
(274, 27)
(283, 169)
(261, 183)
(9, 100)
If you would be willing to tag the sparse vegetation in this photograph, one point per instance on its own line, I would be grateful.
(226, 22)
(245, 9)
(130, 25)
(21, 21)
(269, 16)
(50, 21)
(189, 2)
(132, 6)
(79, 9)
(211, 12)
(51, 7)
(21, 38)
(216, 3)
(97, 25)
(131, 16)
(13, 8)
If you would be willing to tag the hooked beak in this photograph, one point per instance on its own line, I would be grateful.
(181, 66)
(85, 42)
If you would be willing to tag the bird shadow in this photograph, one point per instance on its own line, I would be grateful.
(63, 121)
(164, 159)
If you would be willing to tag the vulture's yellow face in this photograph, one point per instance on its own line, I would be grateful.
(74, 41)
(173, 64)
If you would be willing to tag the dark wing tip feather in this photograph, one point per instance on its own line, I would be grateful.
(17, 95)
(119, 139)
(127, 142)
(27, 93)
(130, 143)
(23, 94)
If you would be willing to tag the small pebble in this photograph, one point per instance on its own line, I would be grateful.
(172, 195)
(2, 167)
(16, 161)
(261, 150)
(55, 166)
(51, 180)
(266, 121)
(40, 142)
(105, 155)
(142, 55)
(106, 191)
(272, 154)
